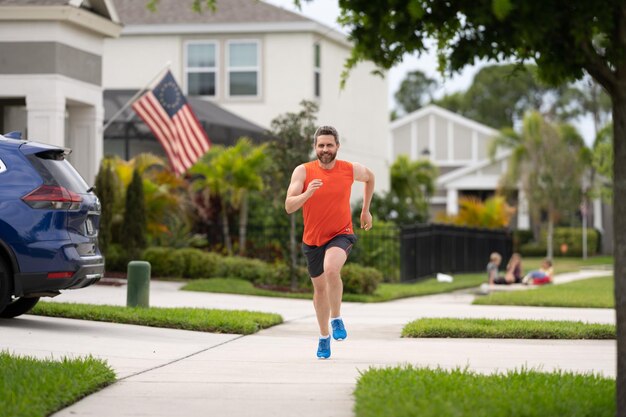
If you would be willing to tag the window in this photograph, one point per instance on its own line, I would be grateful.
(316, 70)
(201, 68)
(243, 68)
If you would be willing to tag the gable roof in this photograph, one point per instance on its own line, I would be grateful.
(135, 12)
(176, 17)
(472, 170)
(98, 16)
(447, 114)
(102, 8)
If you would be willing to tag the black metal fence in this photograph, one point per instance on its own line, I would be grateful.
(405, 253)
(426, 249)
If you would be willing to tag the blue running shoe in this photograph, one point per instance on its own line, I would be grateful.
(323, 348)
(339, 330)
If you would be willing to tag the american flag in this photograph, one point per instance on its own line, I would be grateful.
(168, 115)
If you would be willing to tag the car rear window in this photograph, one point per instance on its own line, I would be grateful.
(56, 170)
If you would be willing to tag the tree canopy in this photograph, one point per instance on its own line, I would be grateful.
(566, 39)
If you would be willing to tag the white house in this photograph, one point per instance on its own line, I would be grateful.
(257, 61)
(51, 73)
(459, 148)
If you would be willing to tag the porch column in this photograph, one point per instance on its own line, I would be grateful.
(452, 202)
(597, 215)
(523, 216)
(85, 140)
(46, 120)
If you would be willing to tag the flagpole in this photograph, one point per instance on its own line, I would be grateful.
(133, 98)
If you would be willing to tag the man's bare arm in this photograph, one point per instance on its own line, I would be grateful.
(296, 195)
(363, 174)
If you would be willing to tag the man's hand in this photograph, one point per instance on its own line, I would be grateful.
(366, 220)
(313, 186)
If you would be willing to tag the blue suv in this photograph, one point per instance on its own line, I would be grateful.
(49, 221)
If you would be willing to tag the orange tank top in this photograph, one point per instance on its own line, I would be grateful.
(327, 213)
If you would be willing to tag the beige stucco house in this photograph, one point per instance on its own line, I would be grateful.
(257, 61)
(51, 73)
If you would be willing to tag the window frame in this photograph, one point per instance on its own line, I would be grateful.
(195, 70)
(230, 69)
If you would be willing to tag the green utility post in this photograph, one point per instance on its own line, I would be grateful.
(138, 294)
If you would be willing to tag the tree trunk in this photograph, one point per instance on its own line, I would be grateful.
(550, 236)
(226, 230)
(619, 233)
(293, 252)
(243, 224)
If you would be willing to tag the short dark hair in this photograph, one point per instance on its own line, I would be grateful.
(326, 130)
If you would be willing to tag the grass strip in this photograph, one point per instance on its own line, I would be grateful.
(587, 293)
(36, 388)
(384, 292)
(507, 329)
(197, 319)
(566, 264)
(409, 391)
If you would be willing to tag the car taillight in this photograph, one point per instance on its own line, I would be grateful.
(57, 275)
(53, 197)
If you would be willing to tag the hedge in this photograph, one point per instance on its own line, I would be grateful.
(570, 236)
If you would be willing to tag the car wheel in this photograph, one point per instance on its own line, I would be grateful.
(18, 307)
(5, 284)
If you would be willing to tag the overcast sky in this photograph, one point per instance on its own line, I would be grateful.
(327, 11)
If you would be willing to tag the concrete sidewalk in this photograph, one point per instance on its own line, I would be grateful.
(274, 372)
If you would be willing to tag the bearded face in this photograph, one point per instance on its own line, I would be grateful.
(326, 149)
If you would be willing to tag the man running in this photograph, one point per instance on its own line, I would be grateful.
(322, 188)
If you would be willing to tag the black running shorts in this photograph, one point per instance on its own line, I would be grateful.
(315, 254)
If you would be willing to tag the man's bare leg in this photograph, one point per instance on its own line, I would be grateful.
(321, 303)
(334, 260)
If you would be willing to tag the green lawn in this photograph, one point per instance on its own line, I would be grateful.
(384, 292)
(37, 388)
(592, 293)
(408, 391)
(507, 329)
(198, 319)
(562, 265)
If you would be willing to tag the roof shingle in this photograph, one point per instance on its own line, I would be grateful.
(134, 12)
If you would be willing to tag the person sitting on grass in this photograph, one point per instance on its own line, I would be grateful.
(541, 276)
(514, 269)
(492, 269)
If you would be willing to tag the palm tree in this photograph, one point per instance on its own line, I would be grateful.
(547, 163)
(231, 173)
(248, 163)
(412, 183)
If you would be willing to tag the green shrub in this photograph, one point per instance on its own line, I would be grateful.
(116, 258)
(210, 264)
(164, 262)
(571, 236)
(379, 248)
(135, 217)
(193, 260)
(520, 238)
(533, 250)
(359, 279)
(280, 276)
(252, 270)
